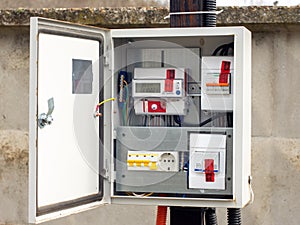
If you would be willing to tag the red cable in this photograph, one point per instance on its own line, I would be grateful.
(161, 217)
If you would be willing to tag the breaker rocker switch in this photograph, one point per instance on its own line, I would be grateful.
(207, 161)
(219, 83)
(169, 80)
(209, 170)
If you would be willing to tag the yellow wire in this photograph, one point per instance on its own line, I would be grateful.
(107, 100)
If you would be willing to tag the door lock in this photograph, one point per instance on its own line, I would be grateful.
(46, 119)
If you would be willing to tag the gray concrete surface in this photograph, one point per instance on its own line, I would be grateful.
(14, 78)
(257, 18)
(275, 141)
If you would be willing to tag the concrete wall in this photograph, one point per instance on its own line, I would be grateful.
(275, 136)
(14, 78)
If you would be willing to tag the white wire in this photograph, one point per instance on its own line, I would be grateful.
(191, 13)
(141, 195)
(251, 194)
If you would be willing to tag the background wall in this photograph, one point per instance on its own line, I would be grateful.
(275, 134)
(79, 3)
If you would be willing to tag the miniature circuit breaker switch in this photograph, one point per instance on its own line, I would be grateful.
(217, 86)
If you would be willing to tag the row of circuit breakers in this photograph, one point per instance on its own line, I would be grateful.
(161, 97)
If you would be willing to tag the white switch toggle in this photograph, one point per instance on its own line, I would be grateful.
(154, 107)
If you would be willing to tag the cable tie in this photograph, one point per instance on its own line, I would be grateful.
(192, 13)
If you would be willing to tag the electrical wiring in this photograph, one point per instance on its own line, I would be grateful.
(210, 120)
(218, 49)
(144, 195)
(127, 99)
(177, 120)
(124, 101)
(252, 194)
(161, 217)
(125, 82)
(104, 101)
(211, 216)
(98, 114)
(229, 119)
(186, 166)
(139, 195)
(223, 50)
(125, 105)
(131, 121)
(205, 122)
(251, 190)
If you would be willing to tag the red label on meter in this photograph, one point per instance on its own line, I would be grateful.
(156, 107)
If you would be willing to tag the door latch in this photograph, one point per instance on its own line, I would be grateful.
(46, 119)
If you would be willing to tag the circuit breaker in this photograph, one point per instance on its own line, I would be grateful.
(138, 116)
(216, 86)
(207, 161)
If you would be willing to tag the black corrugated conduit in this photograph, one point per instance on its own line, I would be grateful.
(234, 217)
(210, 20)
(211, 217)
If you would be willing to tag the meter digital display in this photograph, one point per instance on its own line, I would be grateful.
(147, 87)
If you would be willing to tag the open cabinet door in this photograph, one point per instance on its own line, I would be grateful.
(66, 140)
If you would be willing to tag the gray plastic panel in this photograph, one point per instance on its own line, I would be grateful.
(163, 139)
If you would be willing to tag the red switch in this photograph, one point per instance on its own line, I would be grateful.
(225, 72)
(170, 76)
(209, 170)
(225, 68)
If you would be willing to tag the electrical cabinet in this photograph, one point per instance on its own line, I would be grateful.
(138, 116)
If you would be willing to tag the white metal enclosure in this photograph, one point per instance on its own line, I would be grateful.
(79, 160)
